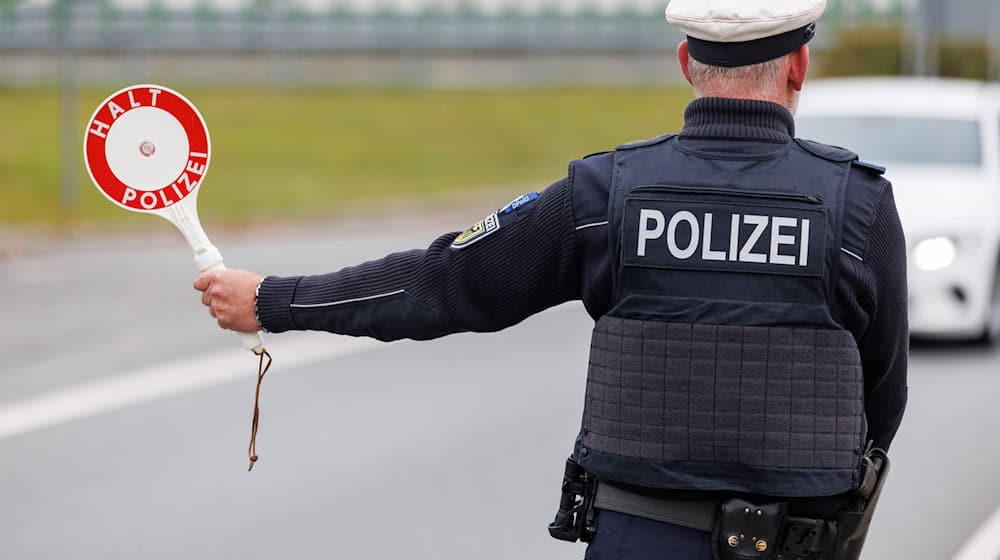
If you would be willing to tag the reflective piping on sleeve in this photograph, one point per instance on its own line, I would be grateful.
(585, 226)
(855, 255)
(346, 301)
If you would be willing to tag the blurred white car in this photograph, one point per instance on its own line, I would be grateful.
(940, 140)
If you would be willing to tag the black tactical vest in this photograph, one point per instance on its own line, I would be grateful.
(719, 365)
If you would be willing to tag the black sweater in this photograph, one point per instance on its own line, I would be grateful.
(555, 249)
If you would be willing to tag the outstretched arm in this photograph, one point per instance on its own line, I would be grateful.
(512, 265)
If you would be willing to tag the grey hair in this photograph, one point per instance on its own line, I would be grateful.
(757, 79)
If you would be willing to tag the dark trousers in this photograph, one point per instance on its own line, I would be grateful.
(626, 537)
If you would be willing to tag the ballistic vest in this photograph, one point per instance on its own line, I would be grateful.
(720, 366)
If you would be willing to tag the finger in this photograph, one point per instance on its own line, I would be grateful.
(206, 299)
(211, 311)
(214, 291)
(204, 281)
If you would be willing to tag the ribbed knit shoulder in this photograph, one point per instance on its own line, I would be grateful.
(864, 192)
(590, 182)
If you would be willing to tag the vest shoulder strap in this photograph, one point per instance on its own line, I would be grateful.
(645, 143)
(595, 154)
(839, 155)
(825, 151)
(869, 167)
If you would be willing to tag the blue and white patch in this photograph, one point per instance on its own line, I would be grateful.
(479, 231)
(518, 202)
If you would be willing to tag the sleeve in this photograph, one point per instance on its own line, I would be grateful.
(884, 344)
(513, 264)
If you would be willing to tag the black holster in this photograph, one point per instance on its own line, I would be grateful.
(748, 531)
(576, 519)
(853, 522)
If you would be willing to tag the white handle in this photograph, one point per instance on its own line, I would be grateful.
(206, 256)
(251, 341)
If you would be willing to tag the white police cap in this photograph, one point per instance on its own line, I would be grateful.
(743, 32)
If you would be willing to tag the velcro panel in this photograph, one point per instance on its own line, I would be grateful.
(757, 396)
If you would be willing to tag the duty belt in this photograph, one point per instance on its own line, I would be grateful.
(745, 529)
(741, 530)
(693, 513)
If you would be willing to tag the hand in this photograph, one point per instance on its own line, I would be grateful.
(230, 296)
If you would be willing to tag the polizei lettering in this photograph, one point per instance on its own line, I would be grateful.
(172, 193)
(740, 250)
(717, 236)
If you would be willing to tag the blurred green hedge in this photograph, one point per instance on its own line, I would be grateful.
(865, 51)
(886, 51)
(965, 59)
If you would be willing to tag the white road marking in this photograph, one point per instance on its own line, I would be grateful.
(161, 381)
(985, 543)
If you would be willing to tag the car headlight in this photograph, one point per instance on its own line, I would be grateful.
(936, 253)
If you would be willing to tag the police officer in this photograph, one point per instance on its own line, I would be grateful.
(748, 291)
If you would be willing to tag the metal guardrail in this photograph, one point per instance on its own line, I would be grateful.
(356, 33)
(268, 25)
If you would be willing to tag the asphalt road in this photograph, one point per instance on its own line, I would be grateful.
(449, 449)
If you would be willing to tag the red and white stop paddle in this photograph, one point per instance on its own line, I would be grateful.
(147, 150)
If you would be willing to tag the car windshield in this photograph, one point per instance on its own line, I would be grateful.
(898, 139)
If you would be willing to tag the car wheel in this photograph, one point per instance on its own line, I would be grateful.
(991, 331)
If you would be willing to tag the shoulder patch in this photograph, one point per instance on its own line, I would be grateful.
(479, 231)
(518, 202)
(825, 151)
(876, 169)
(645, 143)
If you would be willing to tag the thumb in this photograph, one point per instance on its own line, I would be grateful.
(204, 281)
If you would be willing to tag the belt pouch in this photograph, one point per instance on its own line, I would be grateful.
(746, 531)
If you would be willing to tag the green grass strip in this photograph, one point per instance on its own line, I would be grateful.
(286, 155)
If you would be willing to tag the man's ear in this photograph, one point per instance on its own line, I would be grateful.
(684, 58)
(798, 67)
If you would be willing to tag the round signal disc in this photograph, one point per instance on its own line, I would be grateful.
(146, 148)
